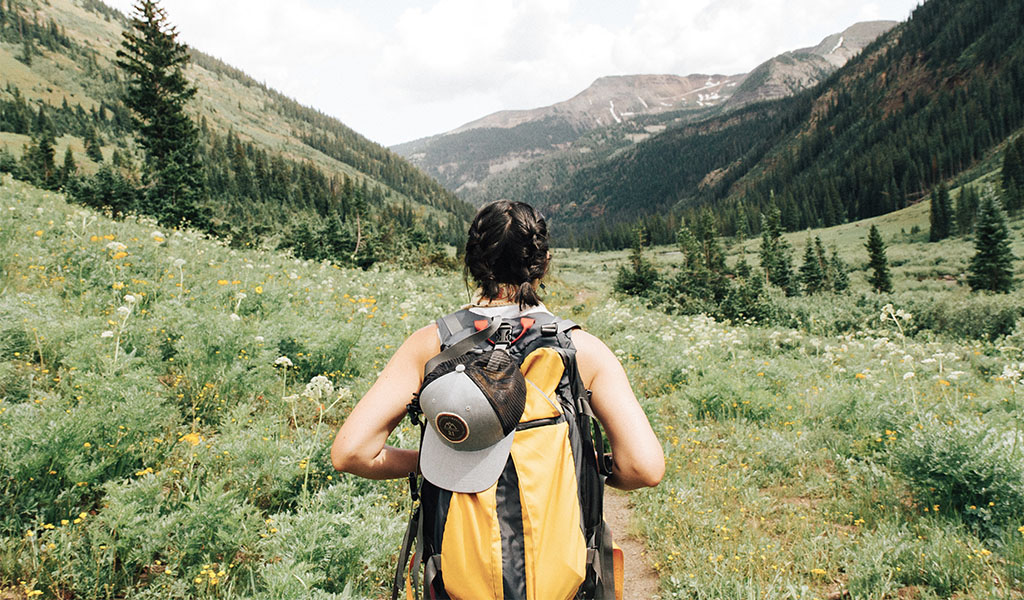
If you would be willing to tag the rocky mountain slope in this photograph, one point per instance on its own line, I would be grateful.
(516, 153)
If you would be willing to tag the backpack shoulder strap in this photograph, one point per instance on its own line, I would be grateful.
(459, 335)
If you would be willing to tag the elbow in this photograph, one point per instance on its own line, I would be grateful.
(653, 476)
(343, 458)
(634, 476)
(651, 471)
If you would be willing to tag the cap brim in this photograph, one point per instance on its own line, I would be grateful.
(467, 472)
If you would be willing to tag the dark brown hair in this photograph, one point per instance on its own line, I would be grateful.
(508, 244)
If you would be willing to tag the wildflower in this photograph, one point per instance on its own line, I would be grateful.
(193, 438)
(319, 387)
(861, 376)
(116, 247)
(179, 262)
(130, 299)
(283, 361)
(106, 334)
(119, 255)
(235, 317)
(223, 282)
(258, 289)
(157, 237)
(123, 311)
(241, 296)
(259, 339)
(908, 375)
(87, 445)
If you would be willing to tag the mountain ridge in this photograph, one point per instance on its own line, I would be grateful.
(476, 159)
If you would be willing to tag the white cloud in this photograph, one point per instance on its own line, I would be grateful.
(396, 75)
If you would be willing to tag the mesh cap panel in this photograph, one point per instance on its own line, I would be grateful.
(503, 384)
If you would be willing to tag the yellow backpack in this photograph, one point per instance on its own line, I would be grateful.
(537, 533)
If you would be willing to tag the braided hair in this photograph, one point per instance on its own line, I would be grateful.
(508, 246)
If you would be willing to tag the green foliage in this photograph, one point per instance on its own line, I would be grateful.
(880, 277)
(867, 141)
(640, 277)
(1013, 175)
(108, 191)
(776, 254)
(991, 268)
(149, 443)
(966, 210)
(813, 271)
(158, 92)
(971, 470)
(941, 214)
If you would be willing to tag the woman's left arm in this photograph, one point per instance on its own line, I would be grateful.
(360, 446)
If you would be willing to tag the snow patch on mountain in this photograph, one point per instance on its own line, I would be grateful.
(611, 108)
(839, 44)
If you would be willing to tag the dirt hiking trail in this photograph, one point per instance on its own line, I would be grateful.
(641, 581)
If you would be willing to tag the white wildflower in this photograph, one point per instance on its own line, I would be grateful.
(241, 296)
(179, 262)
(259, 339)
(116, 247)
(130, 299)
(283, 361)
(235, 317)
(123, 311)
(319, 387)
(106, 334)
(908, 375)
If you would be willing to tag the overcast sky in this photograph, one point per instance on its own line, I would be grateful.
(397, 70)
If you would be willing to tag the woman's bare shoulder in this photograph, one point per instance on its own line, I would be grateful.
(592, 356)
(588, 345)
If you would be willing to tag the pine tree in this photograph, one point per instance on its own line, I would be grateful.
(776, 254)
(1013, 176)
(154, 62)
(92, 145)
(812, 276)
(68, 170)
(991, 268)
(642, 277)
(941, 214)
(880, 278)
(38, 161)
(966, 209)
(837, 272)
(707, 236)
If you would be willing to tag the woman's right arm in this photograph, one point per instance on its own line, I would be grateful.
(360, 446)
(637, 457)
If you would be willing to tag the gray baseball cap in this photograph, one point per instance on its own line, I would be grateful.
(472, 405)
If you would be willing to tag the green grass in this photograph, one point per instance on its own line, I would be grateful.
(155, 450)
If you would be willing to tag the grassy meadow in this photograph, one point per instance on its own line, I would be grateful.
(167, 404)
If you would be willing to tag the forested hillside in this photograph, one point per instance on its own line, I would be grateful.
(523, 154)
(918, 106)
(273, 170)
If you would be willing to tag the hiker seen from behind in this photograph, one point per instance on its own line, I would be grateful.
(518, 410)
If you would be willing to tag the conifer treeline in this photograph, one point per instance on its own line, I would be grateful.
(248, 190)
(918, 106)
(340, 142)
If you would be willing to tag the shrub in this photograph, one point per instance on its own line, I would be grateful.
(971, 470)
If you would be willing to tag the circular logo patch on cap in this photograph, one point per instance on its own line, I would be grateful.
(453, 427)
